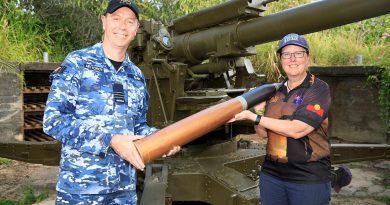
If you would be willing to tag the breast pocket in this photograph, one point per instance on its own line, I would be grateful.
(135, 92)
(95, 96)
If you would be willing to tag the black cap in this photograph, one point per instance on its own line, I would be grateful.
(116, 4)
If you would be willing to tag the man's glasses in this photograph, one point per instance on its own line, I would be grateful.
(287, 55)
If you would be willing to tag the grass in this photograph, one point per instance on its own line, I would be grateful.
(386, 199)
(29, 197)
(4, 161)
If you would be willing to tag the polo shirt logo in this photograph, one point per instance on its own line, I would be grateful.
(297, 100)
(274, 99)
(316, 109)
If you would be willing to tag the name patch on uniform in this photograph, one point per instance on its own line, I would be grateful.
(316, 108)
(89, 66)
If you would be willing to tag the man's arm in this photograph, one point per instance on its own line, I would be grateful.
(84, 134)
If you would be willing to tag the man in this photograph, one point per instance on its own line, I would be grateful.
(96, 108)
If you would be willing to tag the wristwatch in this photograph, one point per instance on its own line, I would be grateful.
(258, 118)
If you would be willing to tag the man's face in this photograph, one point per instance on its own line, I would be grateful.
(120, 27)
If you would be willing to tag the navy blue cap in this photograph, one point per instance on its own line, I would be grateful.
(293, 39)
(344, 177)
(116, 4)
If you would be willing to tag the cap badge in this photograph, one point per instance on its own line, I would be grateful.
(126, 1)
(291, 37)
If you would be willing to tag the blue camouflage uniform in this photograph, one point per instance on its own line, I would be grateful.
(88, 104)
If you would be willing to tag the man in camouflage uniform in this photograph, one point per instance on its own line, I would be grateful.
(96, 108)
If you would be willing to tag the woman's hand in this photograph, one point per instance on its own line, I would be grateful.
(173, 151)
(244, 115)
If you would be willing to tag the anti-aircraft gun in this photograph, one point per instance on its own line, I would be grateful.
(198, 61)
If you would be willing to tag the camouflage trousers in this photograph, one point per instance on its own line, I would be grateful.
(119, 197)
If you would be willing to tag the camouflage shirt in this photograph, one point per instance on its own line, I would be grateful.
(88, 103)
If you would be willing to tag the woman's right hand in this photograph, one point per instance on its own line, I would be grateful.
(244, 115)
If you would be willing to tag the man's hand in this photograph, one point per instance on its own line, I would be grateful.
(124, 146)
(173, 151)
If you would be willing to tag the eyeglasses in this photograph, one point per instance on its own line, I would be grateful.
(287, 55)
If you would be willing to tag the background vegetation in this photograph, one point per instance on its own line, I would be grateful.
(30, 27)
(29, 197)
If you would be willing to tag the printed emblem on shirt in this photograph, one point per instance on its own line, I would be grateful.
(297, 100)
(89, 66)
(316, 108)
(274, 99)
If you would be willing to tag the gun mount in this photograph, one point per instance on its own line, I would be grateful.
(196, 62)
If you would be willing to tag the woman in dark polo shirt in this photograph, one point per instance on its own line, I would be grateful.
(296, 170)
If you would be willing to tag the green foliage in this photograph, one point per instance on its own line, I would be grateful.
(167, 10)
(31, 27)
(29, 198)
(4, 161)
(21, 38)
(267, 62)
(71, 24)
(384, 96)
(386, 199)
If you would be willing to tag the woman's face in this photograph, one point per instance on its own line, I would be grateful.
(294, 60)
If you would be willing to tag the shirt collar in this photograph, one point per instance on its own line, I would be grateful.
(99, 50)
(309, 80)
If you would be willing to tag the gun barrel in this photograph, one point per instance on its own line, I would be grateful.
(196, 125)
(308, 18)
(207, 17)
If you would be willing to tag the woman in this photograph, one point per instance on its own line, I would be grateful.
(297, 166)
